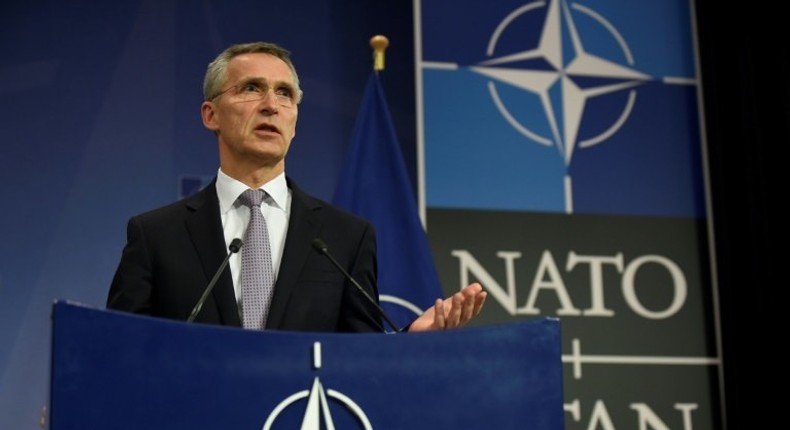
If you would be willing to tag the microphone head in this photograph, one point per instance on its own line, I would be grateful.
(235, 245)
(319, 245)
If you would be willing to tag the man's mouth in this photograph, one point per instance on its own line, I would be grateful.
(267, 128)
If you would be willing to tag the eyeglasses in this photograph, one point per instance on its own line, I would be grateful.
(256, 91)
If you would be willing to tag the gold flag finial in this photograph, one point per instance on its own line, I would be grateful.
(379, 44)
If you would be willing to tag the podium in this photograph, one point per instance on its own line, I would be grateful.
(114, 370)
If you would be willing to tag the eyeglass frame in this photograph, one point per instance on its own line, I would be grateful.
(262, 85)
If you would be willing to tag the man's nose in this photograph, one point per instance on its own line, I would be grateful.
(269, 101)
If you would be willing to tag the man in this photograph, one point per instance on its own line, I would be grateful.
(251, 94)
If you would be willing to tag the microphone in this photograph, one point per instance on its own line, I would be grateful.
(323, 249)
(234, 247)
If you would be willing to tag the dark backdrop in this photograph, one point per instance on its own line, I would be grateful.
(745, 70)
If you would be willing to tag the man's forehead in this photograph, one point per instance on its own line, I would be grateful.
(261, 65)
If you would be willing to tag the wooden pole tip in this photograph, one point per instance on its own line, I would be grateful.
(379, 43)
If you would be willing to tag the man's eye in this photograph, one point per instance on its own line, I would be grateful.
(250, 88)
(284, 92)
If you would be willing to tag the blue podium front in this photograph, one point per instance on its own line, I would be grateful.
(113, 370)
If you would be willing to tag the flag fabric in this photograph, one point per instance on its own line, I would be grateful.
(374, 185)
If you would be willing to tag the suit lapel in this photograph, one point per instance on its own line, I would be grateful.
(205, 229)
(303, 227)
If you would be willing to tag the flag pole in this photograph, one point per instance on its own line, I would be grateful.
(379, 43)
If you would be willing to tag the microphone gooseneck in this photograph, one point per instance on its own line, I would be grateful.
(234, 247)
(322, 248)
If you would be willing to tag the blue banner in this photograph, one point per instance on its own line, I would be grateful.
(375, 185)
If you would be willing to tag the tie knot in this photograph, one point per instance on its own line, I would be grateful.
(252, 198)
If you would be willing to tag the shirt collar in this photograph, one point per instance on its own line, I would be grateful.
(229, 189)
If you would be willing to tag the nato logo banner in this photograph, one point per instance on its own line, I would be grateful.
(563, 169)
(561, 107)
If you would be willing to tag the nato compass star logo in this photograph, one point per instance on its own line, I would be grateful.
(317, 412)
(564, 76)
(561, 74)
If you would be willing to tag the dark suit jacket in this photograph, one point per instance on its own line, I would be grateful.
(173, 252)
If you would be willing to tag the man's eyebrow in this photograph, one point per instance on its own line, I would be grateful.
(263, 81)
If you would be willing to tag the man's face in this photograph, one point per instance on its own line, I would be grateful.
(254, 118)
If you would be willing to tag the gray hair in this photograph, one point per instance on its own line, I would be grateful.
(217, 71)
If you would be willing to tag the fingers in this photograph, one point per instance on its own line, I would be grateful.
(453, 317)
(470, 302)
(439, 321)
(457, 310)
(480, 299)
(479, 302)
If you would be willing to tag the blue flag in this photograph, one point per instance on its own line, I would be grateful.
(374, 185)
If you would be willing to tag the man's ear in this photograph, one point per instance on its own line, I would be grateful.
(208, 114)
